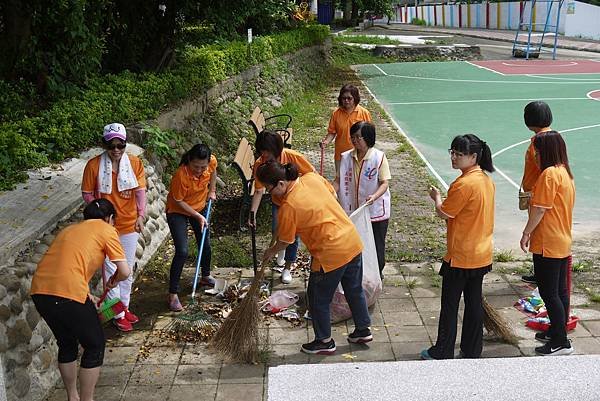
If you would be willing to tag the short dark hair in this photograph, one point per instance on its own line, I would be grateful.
(269, 141)
(552, 149)
(199, 151)
(99, 209)
(272, 172)
(470, 144)
(367, 131)
(537, 114)
(353, 91)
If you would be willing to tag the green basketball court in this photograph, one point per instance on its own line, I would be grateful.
(433, 102)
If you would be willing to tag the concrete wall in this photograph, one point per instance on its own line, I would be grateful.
(582, 20)
(485, 15)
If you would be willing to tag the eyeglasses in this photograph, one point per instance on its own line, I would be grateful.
(454, 153)
(113, 146)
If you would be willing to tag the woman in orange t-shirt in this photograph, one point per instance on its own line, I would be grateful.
(119, 177)
(538, 117)
(547, 235)
(469, 212)
(347, 114)
(310, 209)
(269, 145)
(60, 292)
(194, 182)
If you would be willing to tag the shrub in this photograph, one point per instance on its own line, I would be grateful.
(73, 124)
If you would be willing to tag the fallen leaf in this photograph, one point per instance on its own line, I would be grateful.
(349, 356)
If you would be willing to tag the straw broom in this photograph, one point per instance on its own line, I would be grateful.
(237, 338)
(495, 324)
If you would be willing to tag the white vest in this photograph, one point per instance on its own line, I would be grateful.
(367, 185)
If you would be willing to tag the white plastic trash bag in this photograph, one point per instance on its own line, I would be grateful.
(371, 281)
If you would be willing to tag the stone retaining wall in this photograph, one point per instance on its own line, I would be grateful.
(429, 52)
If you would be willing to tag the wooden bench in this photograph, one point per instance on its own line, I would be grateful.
(243, 162)
(279, 123)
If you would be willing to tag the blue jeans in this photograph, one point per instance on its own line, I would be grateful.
(291, 252)
(178, 224)
(321, 288)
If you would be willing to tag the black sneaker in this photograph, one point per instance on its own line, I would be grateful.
(319, 347)
(360, 336)
(547, 350)
(529, 279)
(542, 336)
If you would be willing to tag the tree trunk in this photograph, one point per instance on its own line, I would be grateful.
(14, 39)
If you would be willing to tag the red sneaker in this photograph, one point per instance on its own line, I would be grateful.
(131, 318)
(123, 324)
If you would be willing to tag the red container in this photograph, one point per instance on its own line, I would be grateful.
(541, 326)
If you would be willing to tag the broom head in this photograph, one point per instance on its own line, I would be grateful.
(495, 324)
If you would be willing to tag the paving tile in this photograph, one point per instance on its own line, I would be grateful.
(161, 356)
(117, 375)
(527, 346)
(501, 301)
(131, 339)
(120, 355)
(340, 356)
(380, 334)
(429, 292)
(397, 305)
(390, 291)
(579, 332)
(425, 305)
(372, 352)
(502, 288)
(402, 319)
(193, 392)
(246, 392)
(407, 351)
(414, 269)
(108, 393)
(288, 336)
(242, 374)
(197, 374)
(499, 350)
(286, 354)
(579, 300)
(493, 277)
(153, 375)
(198, 354)
(593, 327)
(376, 318)
(146, 393)
(587, 346)
(586, 313)
(408, 334)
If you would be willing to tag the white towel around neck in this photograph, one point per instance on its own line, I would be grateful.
(126, 178)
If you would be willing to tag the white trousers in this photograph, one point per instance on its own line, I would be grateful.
(123, 288)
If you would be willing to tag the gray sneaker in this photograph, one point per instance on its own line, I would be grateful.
(286, 276)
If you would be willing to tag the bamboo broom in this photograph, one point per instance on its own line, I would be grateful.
(238, 337)
(495, 324)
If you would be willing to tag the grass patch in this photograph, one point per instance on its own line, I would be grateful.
(231, 251)
(343, 56)
(365, 39)
(583, 266)
(412, 283)
(158, 267)
(593, 295)
(504, 256)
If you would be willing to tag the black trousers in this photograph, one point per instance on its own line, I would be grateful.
(379, 232)
(471, 342)
(551, 275)
(73, 323)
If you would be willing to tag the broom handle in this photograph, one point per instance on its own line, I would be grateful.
(253, 236)
(322, 145)
(201, 247)
(569, 267)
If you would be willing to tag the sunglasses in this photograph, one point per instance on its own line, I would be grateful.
(113, 146)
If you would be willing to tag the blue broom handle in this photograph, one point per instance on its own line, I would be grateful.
(201, 247)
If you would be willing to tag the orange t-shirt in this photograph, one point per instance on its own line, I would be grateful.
(189, 188)
(340, 123)
(310, 210)
(531, 171)
(555, 192)
(287, 156)
(73, 258)
(124, 202)
(470, 208)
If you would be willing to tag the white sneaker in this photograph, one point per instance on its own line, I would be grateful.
(281, 258)
(286, 276)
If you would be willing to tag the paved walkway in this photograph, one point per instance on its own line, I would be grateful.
(564, 42)
(405, 321)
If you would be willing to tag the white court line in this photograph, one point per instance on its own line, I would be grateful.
(514, 184)
(383, 72)
(593, 98)
(565, 78)
(485, 68)
(483, 81)
(571, 64)
(429, 166)
(490, 100)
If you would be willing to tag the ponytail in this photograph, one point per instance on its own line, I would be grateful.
(199, 151)
(469, 144)
(272, 172)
